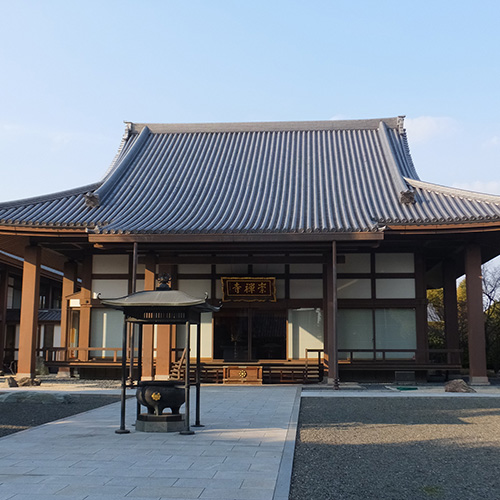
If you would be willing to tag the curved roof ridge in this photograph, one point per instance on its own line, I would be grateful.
(409, 158)
(461, 193)
(50, 197)
(113, 175)
(272, 126)
(119, 152)
(394, 169)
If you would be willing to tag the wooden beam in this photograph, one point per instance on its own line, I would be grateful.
(21, 230)
(441, 228)
(30, 299)
(237, 238)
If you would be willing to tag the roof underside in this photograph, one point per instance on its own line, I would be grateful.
(289, 177)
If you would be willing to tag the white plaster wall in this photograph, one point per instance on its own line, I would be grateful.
(232, 270)
(395, 288)
(57, 336)
(196, 288)
(305, 331)
(306, 289)
(106, 330)
(306, 268)
(280, 289)
(109, 288)
(355, 263)
(41, 335)
(194, 268)
(16, 353)
(268, 269)
(206, 337)
(353, 288)
(394, 263)
(110, 264)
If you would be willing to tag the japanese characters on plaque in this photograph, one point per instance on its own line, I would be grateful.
(248, 289)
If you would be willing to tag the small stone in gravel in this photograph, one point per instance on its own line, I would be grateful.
(11, 382)
(28, 382)
(457, 385)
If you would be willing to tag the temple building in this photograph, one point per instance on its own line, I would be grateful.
(318, 239)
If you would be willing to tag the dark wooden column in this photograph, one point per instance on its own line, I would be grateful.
(148, 330)
(451, 309)
(475, 316)
(68, 287)
(422, 354)
(4, 281)
(331, 354)
(30, 300)
(85, 309)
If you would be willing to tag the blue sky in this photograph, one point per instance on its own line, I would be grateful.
(72, 72)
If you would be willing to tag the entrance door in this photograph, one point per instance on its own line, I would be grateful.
(249, 334)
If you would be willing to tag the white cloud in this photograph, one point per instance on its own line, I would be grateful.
(492, 142)
(425, 128)
(492, 187)
(339, 117)
(56, 138)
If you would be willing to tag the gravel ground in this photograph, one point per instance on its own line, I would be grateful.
(22, 409)
(397, 448)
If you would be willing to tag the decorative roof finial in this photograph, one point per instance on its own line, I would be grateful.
(91, 199)
(407, 197)
(401, 125)
(164, 282)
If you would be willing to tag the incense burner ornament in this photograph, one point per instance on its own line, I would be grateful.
(156, 395)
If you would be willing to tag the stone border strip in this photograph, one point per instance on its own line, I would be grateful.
(282, 489)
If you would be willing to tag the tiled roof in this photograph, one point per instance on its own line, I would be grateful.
(283, 177)
(44, 315)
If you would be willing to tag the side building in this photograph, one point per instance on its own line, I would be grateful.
(48, 328)
(319, 239)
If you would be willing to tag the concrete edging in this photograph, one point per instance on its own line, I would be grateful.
(282, 489)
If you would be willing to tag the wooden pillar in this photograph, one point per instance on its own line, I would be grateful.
(148, 330)
(68, 287)
(164, 339)
(85, 309)
(4, 281)
(30, 299)
(450, 303)
(475, 316)
(421, 310)
(331, 354)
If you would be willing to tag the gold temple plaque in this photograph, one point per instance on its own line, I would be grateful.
(248, 289)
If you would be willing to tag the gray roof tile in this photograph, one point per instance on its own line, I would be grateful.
(285, 177)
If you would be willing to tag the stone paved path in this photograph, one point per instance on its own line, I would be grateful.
(245, 451)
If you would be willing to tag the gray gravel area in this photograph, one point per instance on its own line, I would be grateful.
(397, 448)
(21, 410)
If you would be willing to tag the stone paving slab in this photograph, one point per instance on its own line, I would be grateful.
(239, 454)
